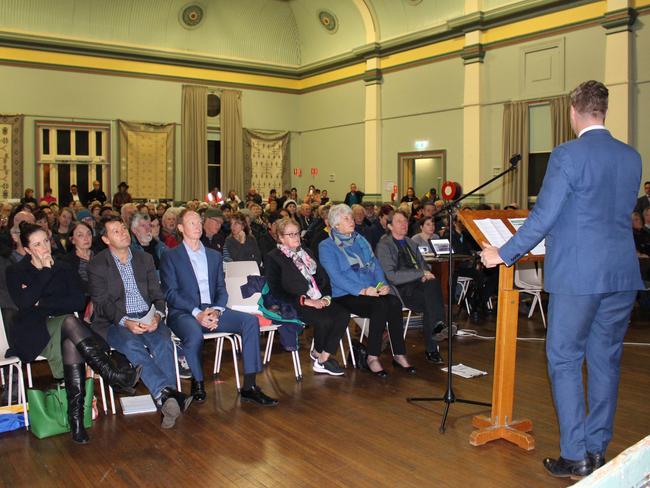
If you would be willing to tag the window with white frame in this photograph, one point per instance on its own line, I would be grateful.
(214, 159)
(72, 154)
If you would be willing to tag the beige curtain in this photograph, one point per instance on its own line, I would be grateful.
(232, 144)
(561, 120)
(194, 139)
(515, 141)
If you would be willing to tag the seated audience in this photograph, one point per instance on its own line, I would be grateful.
(291, 207)
(643, 201)
(96, 194)
(122, 196)
(253, 196)
(361, 223)
(233, 199)
(410, 195)
(293, 276)
(47, 197)
(29, 197)
(353, 196)
(143, 240)
(214, 236)
(418, 288)
(124, 285)
(641, 235)
(71, 197)
(324, 199)
(193, 280)
(379, 227)
(305, 218)
(61, 230)
(47, 292)
(359, 284)
(81, 240)
(168, 230)
(240, 245)
(427, 231)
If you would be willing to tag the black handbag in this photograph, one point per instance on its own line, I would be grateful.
(360, 355)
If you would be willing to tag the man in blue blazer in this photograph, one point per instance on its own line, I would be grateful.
(193, 281)
(592, 277)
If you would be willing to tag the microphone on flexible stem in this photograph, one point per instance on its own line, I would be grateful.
(514, 160)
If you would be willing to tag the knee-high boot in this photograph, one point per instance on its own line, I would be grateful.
(98, 359)
(75, 388)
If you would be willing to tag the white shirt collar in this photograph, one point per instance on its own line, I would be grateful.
(591, 127)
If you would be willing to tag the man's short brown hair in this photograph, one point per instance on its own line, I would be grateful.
(590, 98)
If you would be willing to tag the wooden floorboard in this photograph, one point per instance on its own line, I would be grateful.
(354, 431)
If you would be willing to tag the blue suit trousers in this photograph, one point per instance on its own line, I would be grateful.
(188, 329)
(588, 327)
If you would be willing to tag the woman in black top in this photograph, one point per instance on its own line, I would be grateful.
(294, 276)
(46, 294)
(240, 245)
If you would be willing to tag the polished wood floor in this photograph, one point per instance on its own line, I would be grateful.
(353, 431)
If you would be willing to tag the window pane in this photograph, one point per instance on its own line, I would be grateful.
(536, 170)
(214, 176)
(46, 177)
(98, 174)
(99, 149)
(62, 141)
(214, 152)
(81, 143)
(64, 181)
(46, 141)
(82, 180)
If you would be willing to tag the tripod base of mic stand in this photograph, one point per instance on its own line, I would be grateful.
(489, 430)
(449, 398)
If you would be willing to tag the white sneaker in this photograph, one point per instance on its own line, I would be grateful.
(331, 367)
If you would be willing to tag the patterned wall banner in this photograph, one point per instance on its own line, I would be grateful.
(266, 161)
(11, 156)
(147, 159)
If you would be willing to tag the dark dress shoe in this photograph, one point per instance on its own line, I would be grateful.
(407, 369)
(434, 357)
(198, 391)
(381, 373)
(597, 460)
(563, 468)
(256, 395)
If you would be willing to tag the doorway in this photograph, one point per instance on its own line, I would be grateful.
(422, 170)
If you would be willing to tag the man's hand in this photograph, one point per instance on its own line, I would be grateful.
(208, 318)
(135, 327)
(384, 290)
(428, 275)
(490, 256)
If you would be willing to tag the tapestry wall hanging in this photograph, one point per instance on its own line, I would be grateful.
(266, 161)
(11, 156)
(147, 159)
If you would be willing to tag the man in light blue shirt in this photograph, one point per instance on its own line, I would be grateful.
(197, 304)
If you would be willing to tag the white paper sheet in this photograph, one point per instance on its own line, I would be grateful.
(494, 230)
(147, 319)
(137, 404)
(539, 249)
(465, 371)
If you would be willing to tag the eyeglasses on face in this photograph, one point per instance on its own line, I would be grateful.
(292, 234)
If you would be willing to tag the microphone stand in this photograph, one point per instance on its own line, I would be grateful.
(449, 397)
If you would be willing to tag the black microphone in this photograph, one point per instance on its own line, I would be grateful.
(514, 160)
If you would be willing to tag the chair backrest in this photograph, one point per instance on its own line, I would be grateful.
(235, 299)
(528, 276)
(4, 344)
(235, 269)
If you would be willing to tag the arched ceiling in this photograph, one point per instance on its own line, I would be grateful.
(281, 33)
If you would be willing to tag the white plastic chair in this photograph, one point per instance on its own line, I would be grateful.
(364, 323)
(464, 282)
(234, 269)
(529, 280)
(13, 362)
(345, 361)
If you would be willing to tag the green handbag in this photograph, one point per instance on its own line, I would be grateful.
(48, 410)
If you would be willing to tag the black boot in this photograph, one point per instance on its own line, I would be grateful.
(75, 389)
(198, 390)
(96, 356)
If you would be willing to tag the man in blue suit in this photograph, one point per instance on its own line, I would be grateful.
(592, 277)
(193, 281)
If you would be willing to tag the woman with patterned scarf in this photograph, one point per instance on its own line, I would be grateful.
(359, 284)
(294, 276)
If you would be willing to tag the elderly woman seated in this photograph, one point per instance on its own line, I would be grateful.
(409, 274)
(359, 284)
(47, 292)
(294, 277)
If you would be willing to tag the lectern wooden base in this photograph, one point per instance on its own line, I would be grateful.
(515, 432)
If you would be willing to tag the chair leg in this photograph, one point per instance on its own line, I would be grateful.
(101, 387)
(408, 320)
(111, 395)
(217, 359)
(11, 383)
(178, 374)
(2, 375)
(29, 375)
(269, 347)
(533, 305)
(233, 344)
(345, 361)
(22, 393)
(354, 361)
(296, 365)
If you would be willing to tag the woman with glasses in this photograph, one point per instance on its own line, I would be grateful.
(359, 285)
(293, 275)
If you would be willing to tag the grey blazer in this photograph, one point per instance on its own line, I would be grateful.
(388, 256)
(107, 288)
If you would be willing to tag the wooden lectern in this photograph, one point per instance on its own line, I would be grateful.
(500, 424)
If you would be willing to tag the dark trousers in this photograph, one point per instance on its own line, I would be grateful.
(382, 309)
(425, 297)
(588, 327)
(190, 332)
(329, 325)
